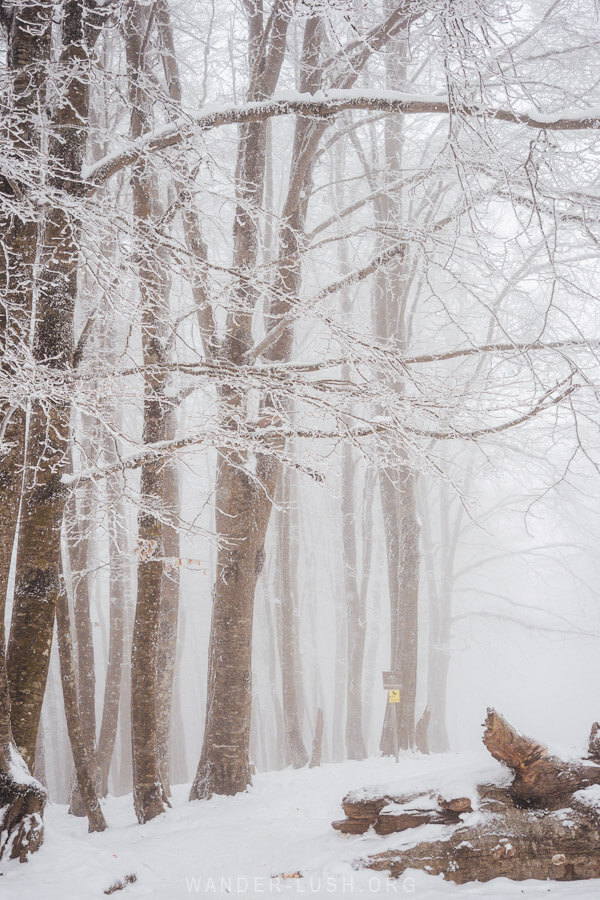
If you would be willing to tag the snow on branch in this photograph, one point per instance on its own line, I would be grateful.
(256, 438)
(322, 105)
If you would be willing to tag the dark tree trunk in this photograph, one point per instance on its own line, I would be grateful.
(38, 555)
(28, 37)
(21, 817)
(22, 801)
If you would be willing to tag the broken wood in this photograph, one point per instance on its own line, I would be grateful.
(541, 779)
(121, 883)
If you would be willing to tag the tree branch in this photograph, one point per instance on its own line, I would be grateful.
(322, 106)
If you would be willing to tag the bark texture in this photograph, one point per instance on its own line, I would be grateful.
(224, 766)
(21, 817)
(79, 524)
(38, 554)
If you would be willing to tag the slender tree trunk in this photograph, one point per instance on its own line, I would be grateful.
(178, 731)
(438, 655)
(167, 650)
(397, 485)
(291, 677)
(124, 780)
(79, 524)
(119, 590)
(403, 556)
(156, 627)
(356, 624)
(355, 612)
(278, 741)
(338, 716)
(84, 764)
(317, 748)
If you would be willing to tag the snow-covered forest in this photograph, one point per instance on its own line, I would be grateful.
(299, 447)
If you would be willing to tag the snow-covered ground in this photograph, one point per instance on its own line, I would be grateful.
(237, 846)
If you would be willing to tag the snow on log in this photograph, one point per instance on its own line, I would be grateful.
(388, 813)
(508, 841)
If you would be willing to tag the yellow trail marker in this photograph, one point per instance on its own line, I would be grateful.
(393, 696)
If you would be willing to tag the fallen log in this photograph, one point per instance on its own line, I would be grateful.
(513, 842)
(539, 827)
(389, 813)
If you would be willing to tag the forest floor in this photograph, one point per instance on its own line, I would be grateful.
(242, 846)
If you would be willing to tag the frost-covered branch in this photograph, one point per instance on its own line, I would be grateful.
(329, 104)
